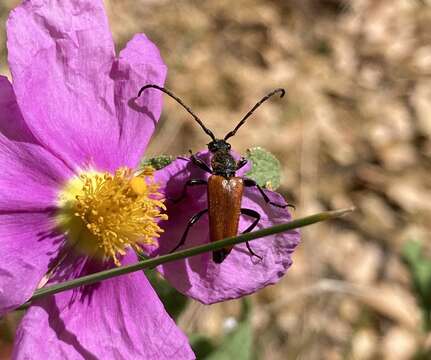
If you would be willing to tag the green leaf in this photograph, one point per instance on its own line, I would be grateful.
(423, 278)
(236, 346)
(158, 162)
(422, 354)
(265, 168)
(420, 272)
(412, 251)
(202, 345)
(238, 343)
(420, 269)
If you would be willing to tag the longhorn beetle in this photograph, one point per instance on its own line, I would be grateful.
(224, 189)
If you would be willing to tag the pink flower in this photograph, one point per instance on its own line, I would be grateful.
(71, 133)
(239, 274)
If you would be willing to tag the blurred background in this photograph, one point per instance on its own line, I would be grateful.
(354, 130)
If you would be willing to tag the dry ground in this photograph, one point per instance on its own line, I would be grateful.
(354, 130)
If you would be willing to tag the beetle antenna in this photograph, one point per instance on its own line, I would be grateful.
(166, 91)
(233, 132)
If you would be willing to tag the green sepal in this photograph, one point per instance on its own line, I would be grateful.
(157, 162)
(265, 168)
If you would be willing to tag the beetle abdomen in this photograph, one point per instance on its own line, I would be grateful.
(224, 209)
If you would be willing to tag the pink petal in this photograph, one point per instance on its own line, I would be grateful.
(120, 318)
(12, 124)
(29, 181)
(139, 64)
(77, 98)
(61, 54)
(28, 246)
(30, 177)
(239, 274)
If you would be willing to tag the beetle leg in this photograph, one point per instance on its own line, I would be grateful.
(256, 216)
(251, 183)
(200, 163)
(191, 182)
(193, 220)
(241, 163)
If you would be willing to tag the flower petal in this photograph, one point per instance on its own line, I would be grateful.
(139, 64)
(240, 273)
(30, 177)
(12, 124)
(119, 318)
(28, 246)
(61, 55)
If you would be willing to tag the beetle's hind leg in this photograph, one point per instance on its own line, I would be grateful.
(193, 220)
(252, 183)
(256, 216)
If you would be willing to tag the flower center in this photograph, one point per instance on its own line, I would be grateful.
(104, 214)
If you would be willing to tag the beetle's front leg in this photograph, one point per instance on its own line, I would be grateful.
(241, 163)
(252, 183)
(199, 163)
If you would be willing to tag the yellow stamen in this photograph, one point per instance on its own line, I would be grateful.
(104, 214)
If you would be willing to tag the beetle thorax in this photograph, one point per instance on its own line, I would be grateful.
(223, 164)
(222, 161)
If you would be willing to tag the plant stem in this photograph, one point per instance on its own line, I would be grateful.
(178, 255)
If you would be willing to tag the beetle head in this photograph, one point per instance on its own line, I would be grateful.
(219, 145)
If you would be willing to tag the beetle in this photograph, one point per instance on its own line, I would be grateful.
(224, 188)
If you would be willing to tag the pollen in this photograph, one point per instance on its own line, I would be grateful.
(104, 214)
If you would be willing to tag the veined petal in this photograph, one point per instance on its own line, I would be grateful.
(119, 318)
(239, 274)
(60, 55)
(30, 177)
(28, 248)
(139, 64)
(12, 124)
